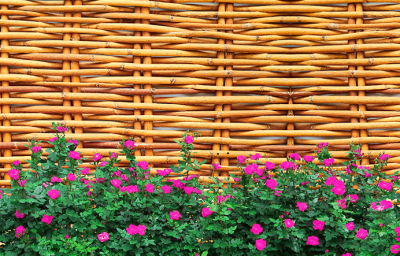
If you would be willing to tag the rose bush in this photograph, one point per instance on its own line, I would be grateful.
(303, 206)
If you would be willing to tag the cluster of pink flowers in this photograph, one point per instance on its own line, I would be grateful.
(74, 155)
(288, 165)
(385, 185)
(62, 129)
(175, 215)
(143, 165)
(129, 144)
(36, 149)
(14, 174)
(241, 159)
(75, 142)
(255, 157)
(338, 186)
(133, 230)
(250, 169)
(164, 172)
(383, 205)
(206, 212)
(19, 215)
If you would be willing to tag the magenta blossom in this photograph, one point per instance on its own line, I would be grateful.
(103, 237)
(19, 215)
(53, 193)
(295, 156)
(97, 157)
(103, 163)
(166, 189)
(302, 206)
(113, 156)
(255, 157)
(362, 233)
(346, 254)
(342, 203)
(19, 231)
(216, 166)
(16, 163)
(129, 144)
(277, 192)
(139, 229)
(385, 185)
(74, 155)
(329, 181)
(241, 159)
(289, 223)
(353, 198)
(318, 225)
(256, 229)
(271, 183)
(328, 162)
(189, 139)
(53, 139)
(164, 172)
(149, 188)
(66, 236)
(61, 129)
(350, 226)
(71, 177)
(75, 142)
(85, 171)
(116, 183)
(55, 179)
(36, 149)
(312, 240)
(47, 219)
(287, 165)
(269, 166)
(22, 182)
(205, 212)
(308, 159)
(13, 173)
(132, 189)
(397, 230)
(175, 215)
(323, 144)
(250, 169)
(143, 165)
(261, 244)
(395, 249)
(384, 157)
(124, 177)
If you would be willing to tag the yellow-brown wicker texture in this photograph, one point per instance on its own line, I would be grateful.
(266, 76)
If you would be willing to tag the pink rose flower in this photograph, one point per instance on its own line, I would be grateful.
(287, 165)
(342, 203)
(75, 142)
(289, 223)
(149, 187)
(318, 225)
(36, 149)
(166, 189)
(71, 177)
(241, 159)
(346, 254)
(269, 166)
(395, 249)
(66, 236)
(189, 139)
(312, 240)
(129, 144)
(113, 155)
(271, 183)
(277, 192)
(19, 215)
(302, 206)
(362, 233)
(55, 179)
(384, 157)
(47, 219)
(13, 173)
(367, 175)
(124, 177)
(85, 171)
(397, 230)
(328, 162)
(103, 163)
(116, 183)
(323, 144)
(216, 166)
(255, 157)
(295, 156)
(53, 193)
(329, 181)
(261, 244)
(205, 212)
(132, 189)
(62, 129)
(143, 165)
(100, 180)
(385, 185)
(175, 215)
(256, 229)
(250, 169)
(53, 139)
(188, 190)
(353, 198)
(308, 159)
(259, 172)
(16, 162)
(74, 155)
(22, 182)
(103, 237)
(97, 157)
(19, 231)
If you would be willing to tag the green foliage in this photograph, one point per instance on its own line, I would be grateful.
(107, 201)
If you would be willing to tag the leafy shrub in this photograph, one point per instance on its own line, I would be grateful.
(304, 206)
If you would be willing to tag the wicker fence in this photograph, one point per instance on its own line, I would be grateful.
(266, 76)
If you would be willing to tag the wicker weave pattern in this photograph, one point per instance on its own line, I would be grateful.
(248, 75)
